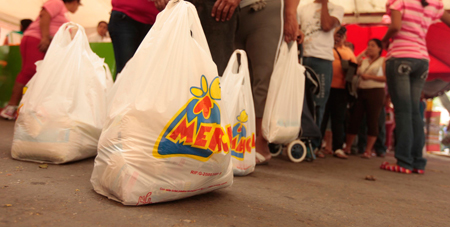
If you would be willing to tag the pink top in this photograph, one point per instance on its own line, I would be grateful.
(57, 11)
(143, 11)
(416, 19)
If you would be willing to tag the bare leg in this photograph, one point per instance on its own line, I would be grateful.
(370, 142)
(348, 142)
(16, 94)
(262, 146)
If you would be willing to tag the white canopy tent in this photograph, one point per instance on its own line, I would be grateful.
(364, 11)
(93, 11)
(88, 15)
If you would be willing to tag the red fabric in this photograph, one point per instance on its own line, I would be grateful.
(143, 11)
(438, 45)
(30, 54)
(438, 42)
(360, 35)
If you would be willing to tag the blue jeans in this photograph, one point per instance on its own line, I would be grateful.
(126, 36)
(405, 79)
(324, 69)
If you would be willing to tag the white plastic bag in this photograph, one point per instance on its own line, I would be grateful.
(164, 139)
(238, 102)
(282, 114)
(63, 110)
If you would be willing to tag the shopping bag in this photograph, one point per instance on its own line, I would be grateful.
(62, 113)
(165, 137)
(282, 114)
(237, 100)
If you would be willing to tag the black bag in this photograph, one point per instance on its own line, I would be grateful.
(351, 78)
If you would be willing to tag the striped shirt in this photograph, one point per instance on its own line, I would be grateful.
(410, 41)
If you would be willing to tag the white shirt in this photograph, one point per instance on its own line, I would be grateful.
(374, 69)
(96, 38)
(14, 38)
(317, 43)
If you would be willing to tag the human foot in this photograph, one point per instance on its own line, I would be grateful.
(366, 155)
(262, 151)
(339, 153)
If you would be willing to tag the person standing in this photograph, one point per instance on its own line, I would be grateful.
(15, 37)
(259, 34)
(337, 103)
(35, 43)
(406, 71)
(370, 101)
(317, 21)
(128, 25)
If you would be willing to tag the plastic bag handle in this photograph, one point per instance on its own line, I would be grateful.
(108, 73)
(233, 60)
(63, 36)
(194, 24)
(197, 29)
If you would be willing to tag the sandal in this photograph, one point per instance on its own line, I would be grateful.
(347, 152)
(261, 160)
(339, 153)
(327, 151)
(366, 155)
(395, 168)
(319, 153)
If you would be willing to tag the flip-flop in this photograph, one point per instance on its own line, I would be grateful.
(319, 154)
(366, 155)
(340, 154)
(327, 151)
(347, 152)
(260, 159)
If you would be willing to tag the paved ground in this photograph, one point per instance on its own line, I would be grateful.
(326, 192)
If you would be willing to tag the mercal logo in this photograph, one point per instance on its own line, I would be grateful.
(240, 143)
(195, 130)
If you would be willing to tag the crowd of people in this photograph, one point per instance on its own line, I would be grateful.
(258, 26)
(399, 77)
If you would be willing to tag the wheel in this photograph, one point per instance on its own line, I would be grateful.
(275, 149)
(296, 151)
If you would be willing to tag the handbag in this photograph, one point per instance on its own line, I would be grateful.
(351, 78)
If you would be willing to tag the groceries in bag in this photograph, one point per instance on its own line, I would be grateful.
(63, 110)
(165, 137)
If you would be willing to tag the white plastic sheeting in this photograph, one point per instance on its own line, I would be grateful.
(88, 15)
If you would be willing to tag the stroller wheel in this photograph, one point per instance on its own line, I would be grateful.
(275, 149)
(296, 151)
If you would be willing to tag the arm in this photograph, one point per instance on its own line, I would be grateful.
(224, 9)
(360, 57)
(160, 4)
(352, 57)
(301, 35)
(375, 78)
(6, 42)
(327, 22)
(291, 27)
(44, 24)
(381, 78)
(446, 18)
(394, 28)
